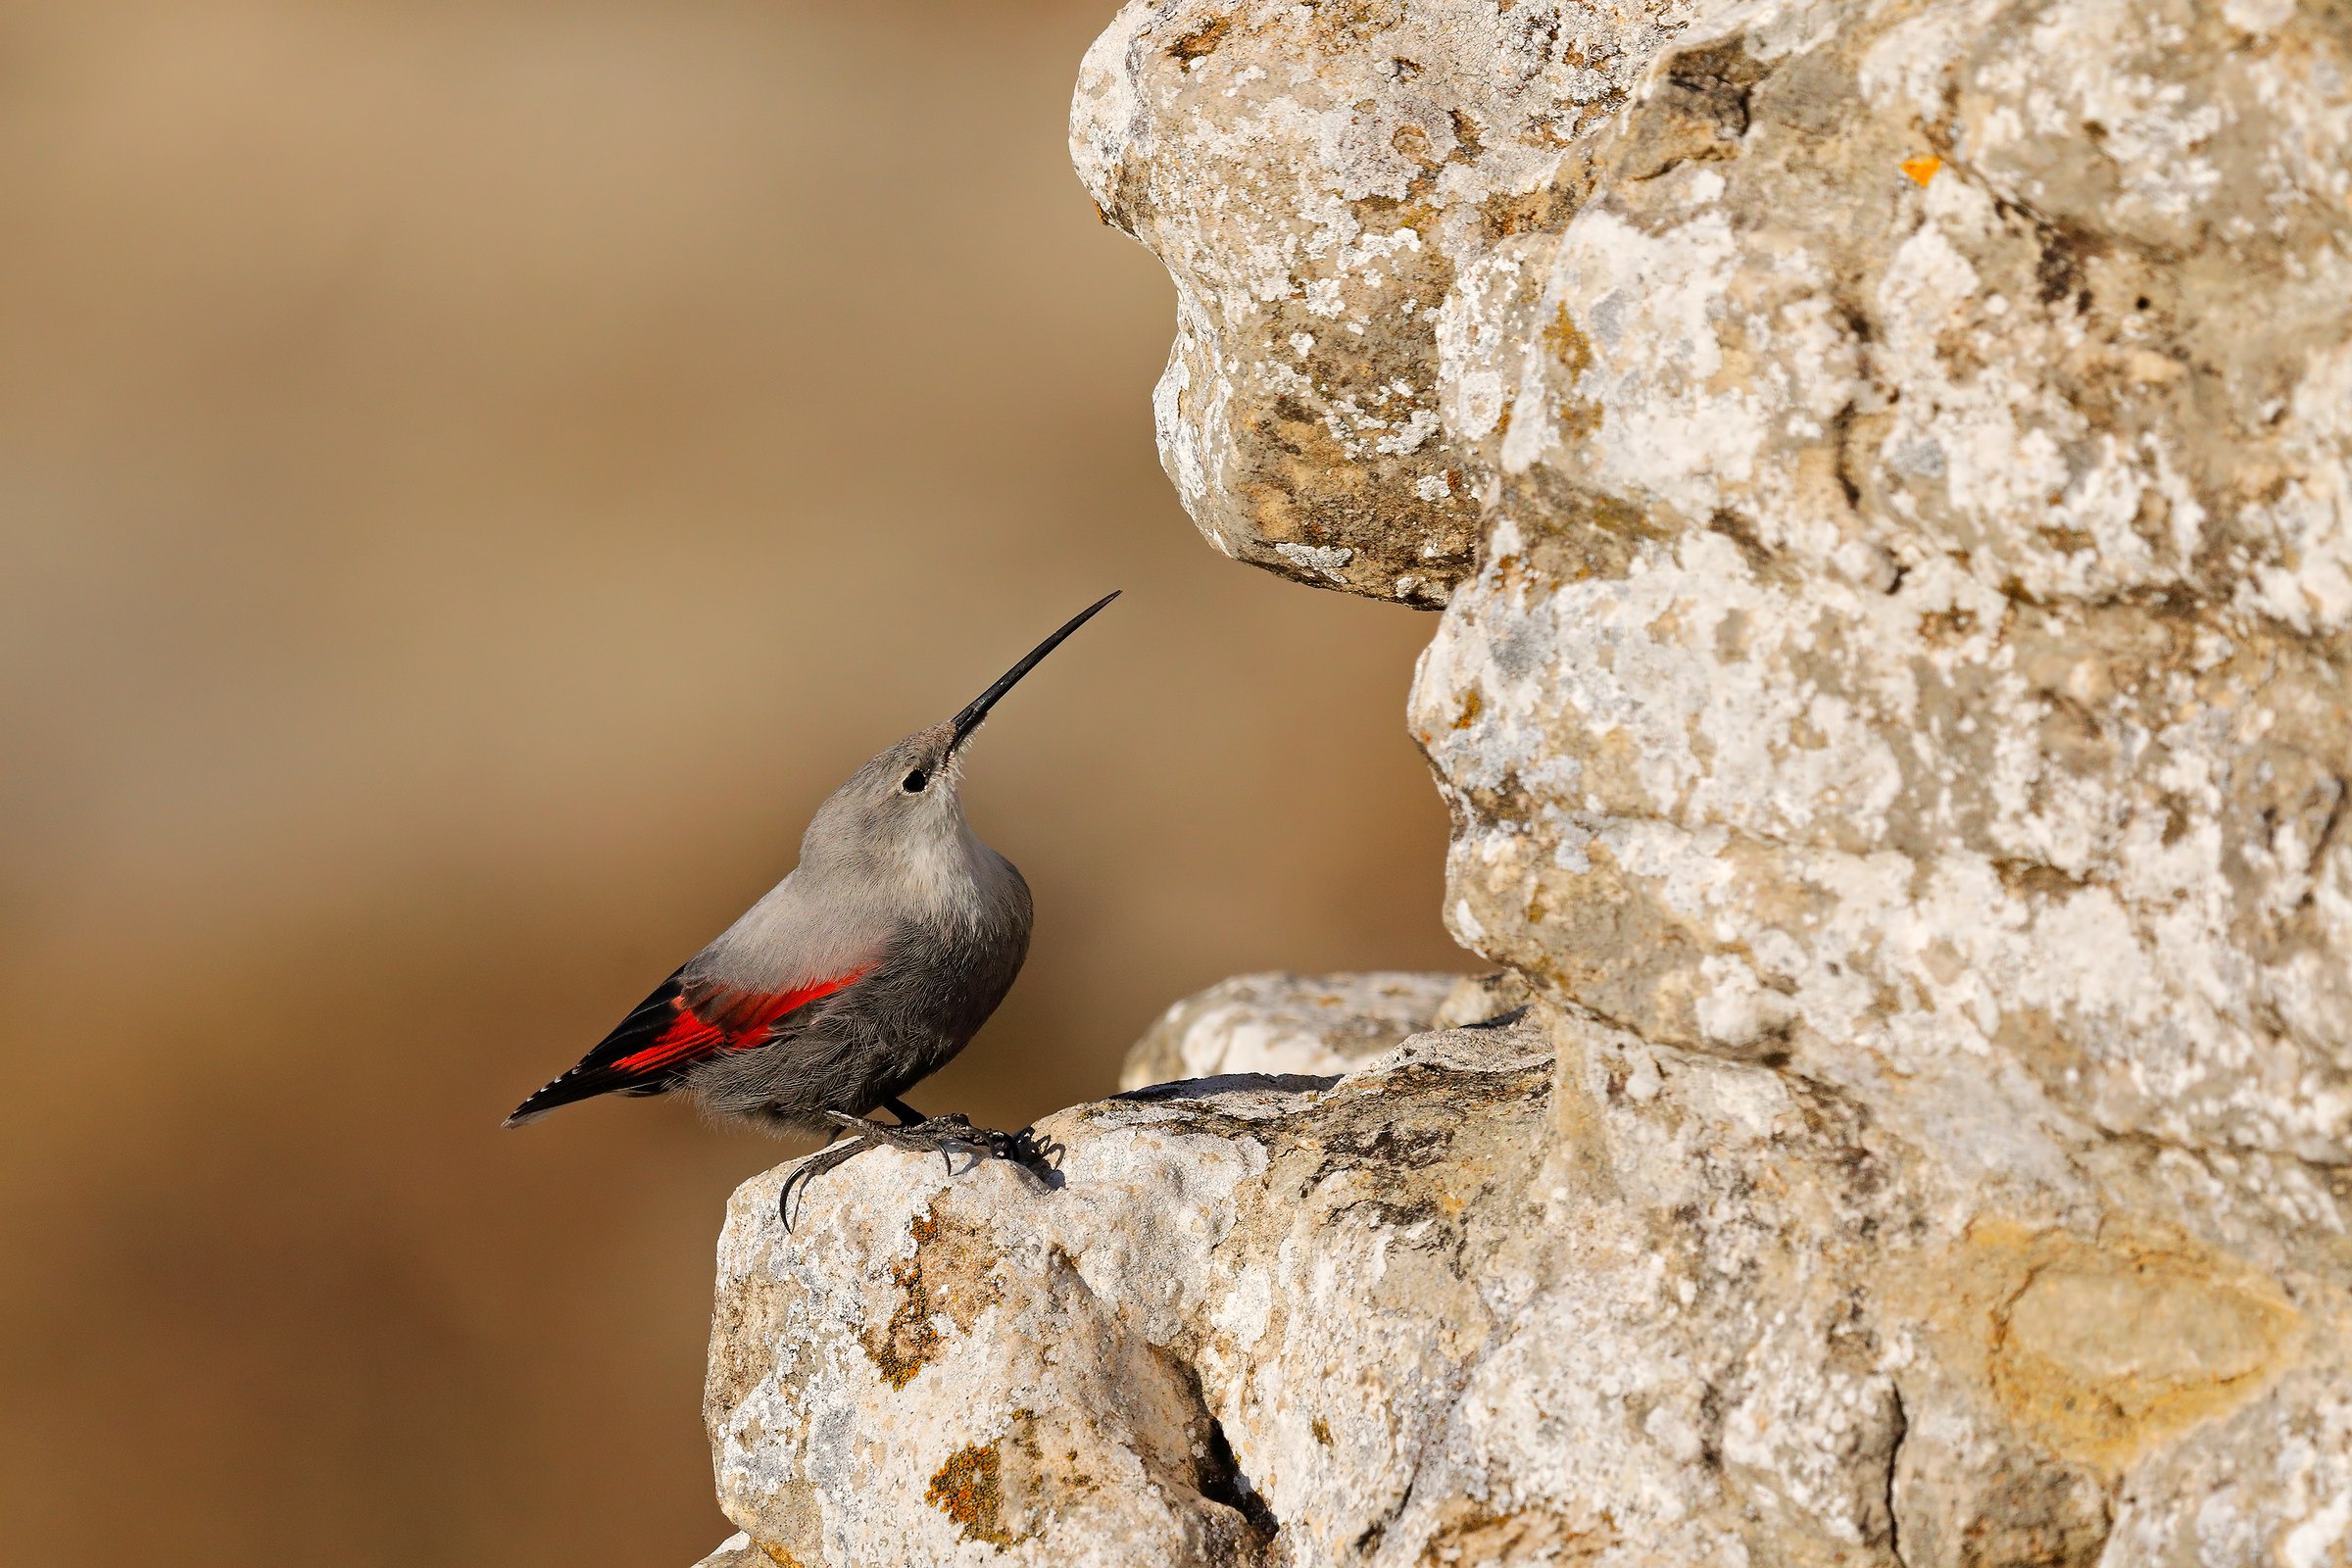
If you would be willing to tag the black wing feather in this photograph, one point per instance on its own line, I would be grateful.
(596, 1073)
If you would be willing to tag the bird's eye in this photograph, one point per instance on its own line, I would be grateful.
(913, 782)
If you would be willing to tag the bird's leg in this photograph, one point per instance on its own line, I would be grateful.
(908, 1116)
(945, 1136)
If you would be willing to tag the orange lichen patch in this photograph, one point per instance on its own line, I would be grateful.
(969, 1490)
(1471, 704)
(1922, 169)
(947, 1276)
(906, 1344)
(779, 1556)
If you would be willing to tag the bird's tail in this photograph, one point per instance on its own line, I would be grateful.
(617, 1066)
(583, 1082)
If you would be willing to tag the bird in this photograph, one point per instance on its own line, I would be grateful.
(865, 970)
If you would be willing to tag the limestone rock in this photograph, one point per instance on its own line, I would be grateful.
(1906, 646)
(1464, 1305)
(1486, 1000)
(1910, 630)
(1913, 453)
(1293, 166)
(1285, 1025)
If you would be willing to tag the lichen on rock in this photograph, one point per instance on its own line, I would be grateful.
(1887, 471)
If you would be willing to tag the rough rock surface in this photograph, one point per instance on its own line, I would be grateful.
(1461, 1305)
(1888, 472)
(1308, 1024)
(1914, 446)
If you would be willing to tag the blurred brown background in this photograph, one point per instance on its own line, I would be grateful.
(472, 476)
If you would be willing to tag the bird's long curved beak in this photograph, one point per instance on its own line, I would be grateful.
(964, 724)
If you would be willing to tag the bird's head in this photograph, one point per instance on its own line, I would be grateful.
(901, 807)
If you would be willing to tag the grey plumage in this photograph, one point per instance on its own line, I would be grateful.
(865, 970)
(891, 883)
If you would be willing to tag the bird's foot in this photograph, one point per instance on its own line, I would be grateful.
(945, 1136)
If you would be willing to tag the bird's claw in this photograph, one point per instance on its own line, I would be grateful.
(943, 1136)
(809, 1171)
(1025, 1149)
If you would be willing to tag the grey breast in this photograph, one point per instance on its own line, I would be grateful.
(937, 980)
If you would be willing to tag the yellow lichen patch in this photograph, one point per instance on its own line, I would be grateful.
(2106, 1359)
(1569, 345)
(1579, 417)
(1471, 704)
(969, 1490)
(947, 1276)
(906, 1344)
(1468, 1533)
(2100, 1351)
(1948, 625)
(779, 1556)
(1923, 168)
(1201, 41)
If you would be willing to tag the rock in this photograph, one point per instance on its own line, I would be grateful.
(1462, 1305)
(1300, 415)
(1484, 1000)
(739, 1550)
(1887, 475)
(1284, 1024)
(1068, 1375)
(1311, 1026)
(1920, 589)
(1913, 455)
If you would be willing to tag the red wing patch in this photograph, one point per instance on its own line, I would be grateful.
(683, 1021)
(735, 1020)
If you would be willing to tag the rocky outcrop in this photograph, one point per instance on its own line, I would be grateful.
(1912, 447)
(1887, 470)
(1066, 1373)
(1537, 1292)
